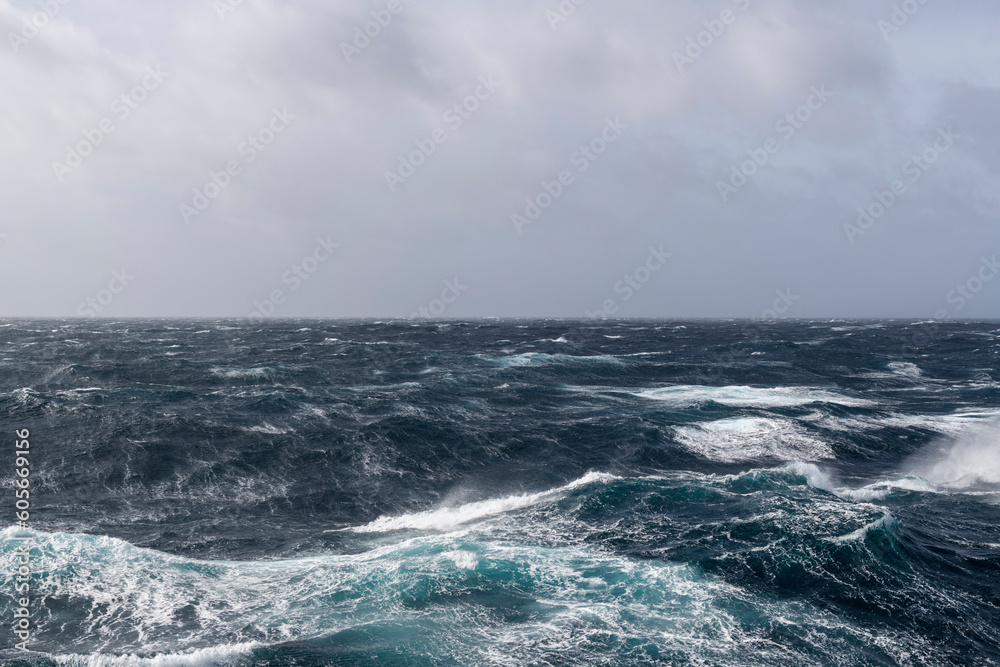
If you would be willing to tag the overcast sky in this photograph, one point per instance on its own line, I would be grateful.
(667, 97)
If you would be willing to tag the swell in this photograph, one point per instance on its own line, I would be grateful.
(634, 557)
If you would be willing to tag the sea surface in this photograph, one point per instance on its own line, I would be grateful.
(504, 492)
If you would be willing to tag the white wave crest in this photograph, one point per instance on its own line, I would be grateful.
(860, 534)
(748, 439)
(463, 560)
(815, 477)
(236, 373)
(542, 359)
(267, 429)
(751, 397)
(950, 424)
(206, 657)
(968, 460)
(881, 490)
(818, 479)
(905, 369)
(444, 519)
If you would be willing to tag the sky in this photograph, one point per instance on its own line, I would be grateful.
(543, 158)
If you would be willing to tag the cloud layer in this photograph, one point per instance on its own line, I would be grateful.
(749, 134)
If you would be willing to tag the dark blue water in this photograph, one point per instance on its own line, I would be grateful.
(506, 493)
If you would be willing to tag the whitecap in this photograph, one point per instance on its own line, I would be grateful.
(205, 657)
(950, 424)
(448, 518)
(815, 477)
(881, 490)
(234, 373)
(463, 560)
(750, 438)
(818, 479)
(886, 521)
(742, 396)
(906, 369)
(268, 429)
(969, 460)
(542, 359)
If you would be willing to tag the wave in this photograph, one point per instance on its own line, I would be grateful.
(897, 370)
(543, 359)
(906, 369)
(796, 471)
(814, 477)
(751, 438)
(882, 490)
(386, 387)
(749, 397)
(142, 607)
(887, 522)
(238, 373)
(444, 519)
(118, 600)
(205, 657)
(148, 605)
(969, 464)
(969, 460)
(267, 429)
(951, 424)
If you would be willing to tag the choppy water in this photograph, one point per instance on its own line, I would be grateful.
(507, 493)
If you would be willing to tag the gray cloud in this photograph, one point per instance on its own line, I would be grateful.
(324, 175)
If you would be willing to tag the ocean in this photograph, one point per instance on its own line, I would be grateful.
(495, 492)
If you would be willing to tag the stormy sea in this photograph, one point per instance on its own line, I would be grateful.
(500, 492)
